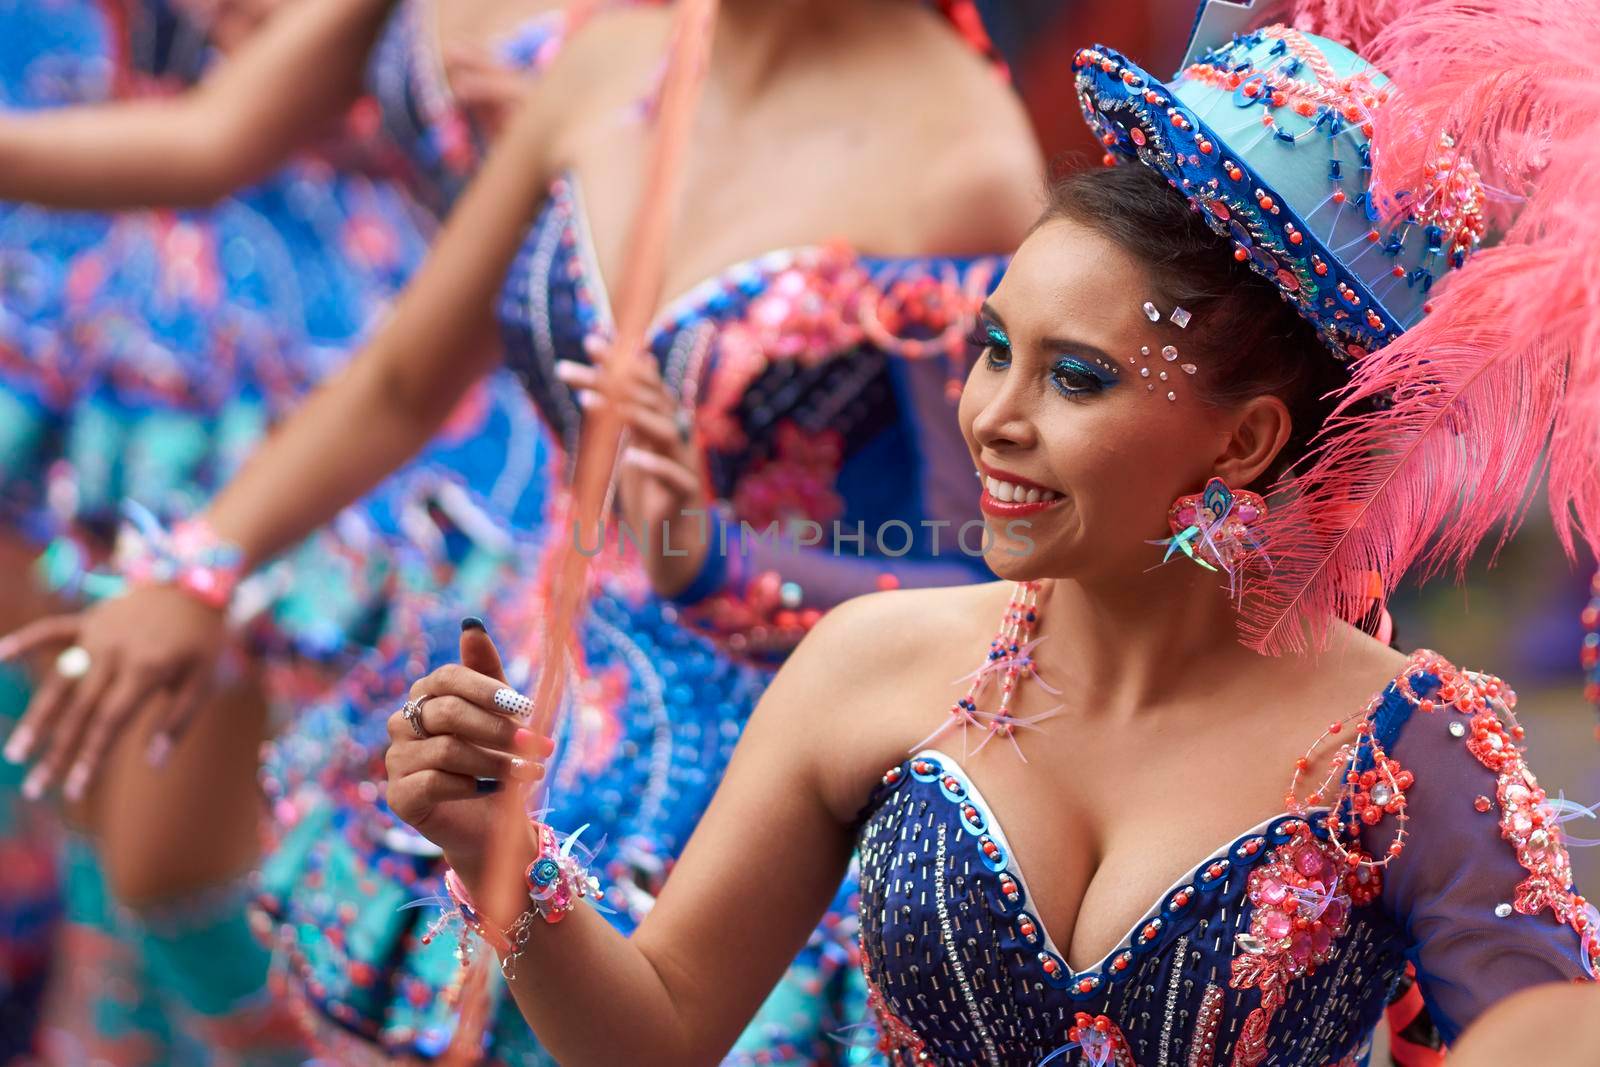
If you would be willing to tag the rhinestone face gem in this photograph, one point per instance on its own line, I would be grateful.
(1151, 313)
(1169, 353)
(1180, 318)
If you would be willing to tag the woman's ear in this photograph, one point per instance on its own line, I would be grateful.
(1261, 427)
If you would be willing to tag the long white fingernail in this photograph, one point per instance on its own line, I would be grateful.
(8, 647)
(33, 785)
(588, 398)
(160, 747)
(570, 370)
(17, 746)
(77, 781)
(512, 702)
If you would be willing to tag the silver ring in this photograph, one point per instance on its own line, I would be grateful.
(412, 710)
(73, 662)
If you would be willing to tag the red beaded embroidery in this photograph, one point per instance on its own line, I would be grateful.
(1302, 901)
(896, 1040)
(1099, 1039)
(1527, 819)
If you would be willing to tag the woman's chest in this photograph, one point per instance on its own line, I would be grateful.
(962, 961)
(782, 360)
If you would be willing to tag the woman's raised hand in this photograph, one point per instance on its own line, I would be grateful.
(460, 739)
(660, 485)
(152, 651)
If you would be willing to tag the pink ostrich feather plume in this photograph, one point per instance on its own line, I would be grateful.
(1500, 384)
(1351, 24)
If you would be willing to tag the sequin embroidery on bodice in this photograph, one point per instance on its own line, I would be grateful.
(757, 342)
(955, 951)
(1281, 947)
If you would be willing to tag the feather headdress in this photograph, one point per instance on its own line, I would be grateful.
(1499, 384)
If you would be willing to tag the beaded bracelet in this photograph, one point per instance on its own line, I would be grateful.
(556, 880)
(192, 557)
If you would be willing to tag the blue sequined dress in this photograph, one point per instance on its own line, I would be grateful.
(819, 380)
(1271, 950)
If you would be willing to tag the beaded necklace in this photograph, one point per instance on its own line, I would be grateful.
(1011, 657)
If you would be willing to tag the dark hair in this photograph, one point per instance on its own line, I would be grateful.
(1247, 339)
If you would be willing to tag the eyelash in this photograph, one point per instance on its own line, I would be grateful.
(992, 342)
(1090, 382)
(989, 340)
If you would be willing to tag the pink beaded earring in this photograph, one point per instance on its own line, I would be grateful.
(1213, 529)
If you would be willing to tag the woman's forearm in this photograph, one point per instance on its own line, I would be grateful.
(595, 997)
(301, 69)
(394, 396)
(349, 435)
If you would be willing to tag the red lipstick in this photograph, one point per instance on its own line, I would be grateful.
(1013, 509)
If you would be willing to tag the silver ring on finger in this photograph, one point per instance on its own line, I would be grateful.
(73, 662)
(412, 710)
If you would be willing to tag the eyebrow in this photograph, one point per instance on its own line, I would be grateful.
(1066, 344)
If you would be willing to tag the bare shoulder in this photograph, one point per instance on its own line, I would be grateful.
(980, 180)
(997, 168)
(859, 688)
(874, 636)
(1344, 677)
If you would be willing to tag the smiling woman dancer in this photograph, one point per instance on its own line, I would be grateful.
(1155, 351)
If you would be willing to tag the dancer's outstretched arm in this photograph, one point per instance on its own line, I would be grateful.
(154, 649)
(296, 74)
(757, 875)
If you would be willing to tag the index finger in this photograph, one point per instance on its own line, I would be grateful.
(60, 628)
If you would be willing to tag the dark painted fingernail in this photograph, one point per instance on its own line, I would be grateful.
(488, 785)
(472, 622)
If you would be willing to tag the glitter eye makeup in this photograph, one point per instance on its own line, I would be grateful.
(994, 343)
(1072, 376)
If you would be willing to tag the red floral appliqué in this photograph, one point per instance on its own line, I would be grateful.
(1528, 821)
(797, 482)
(1302, 900)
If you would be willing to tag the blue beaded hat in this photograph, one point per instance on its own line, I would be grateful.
(1268, 133)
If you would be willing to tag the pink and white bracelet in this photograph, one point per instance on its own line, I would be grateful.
(191, 557)
(556, 880)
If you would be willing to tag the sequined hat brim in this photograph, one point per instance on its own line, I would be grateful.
(1136, 117)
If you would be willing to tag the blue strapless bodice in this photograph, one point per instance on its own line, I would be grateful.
(956, 953)
(770, 350)
(1276, 948)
